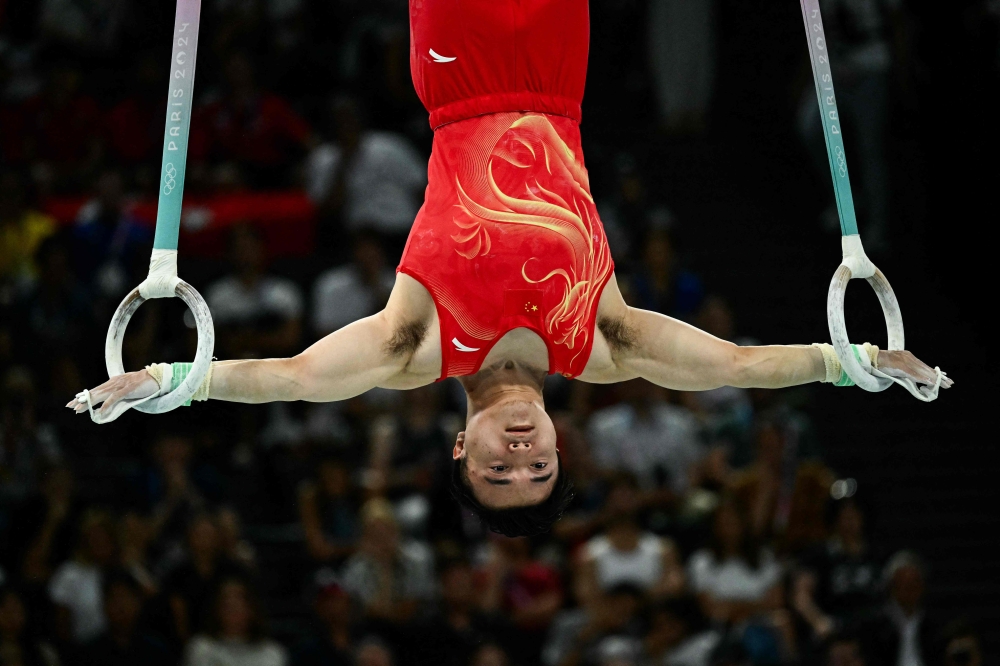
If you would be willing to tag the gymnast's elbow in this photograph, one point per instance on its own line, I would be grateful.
(738, 366)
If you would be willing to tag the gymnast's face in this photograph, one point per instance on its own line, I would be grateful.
(510, 452)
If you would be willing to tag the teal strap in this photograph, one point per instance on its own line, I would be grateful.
(819, 55)
(177, 130)
(845, 379)
(180, 371)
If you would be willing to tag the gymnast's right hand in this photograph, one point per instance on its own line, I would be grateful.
(130, 386)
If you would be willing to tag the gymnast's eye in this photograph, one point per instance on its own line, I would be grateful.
(540, 465)
(498, 468)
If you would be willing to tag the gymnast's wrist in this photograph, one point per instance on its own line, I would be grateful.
(866, 354)
(169, 376)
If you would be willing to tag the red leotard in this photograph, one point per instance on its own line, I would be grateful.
(508, 235)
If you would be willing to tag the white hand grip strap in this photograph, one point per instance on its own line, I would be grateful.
(158, 404)
(857, 265)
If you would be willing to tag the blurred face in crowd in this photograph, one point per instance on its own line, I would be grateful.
(770, 445)
(489, 655)
(99, 542)
(203, 538)
(623, 500)
(510, 453)
(369, 257)
(173, 452)
(908, 588)
(228, 526)
(963, 651)
(380, 537)
(729, 528)
(334, 479)
(850, 522)
(658, 253)
(457, 590)
(247, 252)
(333, 607)
(12, 617)
(845, 653)
(716, 318)
(373, 654)
(235, 613)
(667, 629)
(122, 607)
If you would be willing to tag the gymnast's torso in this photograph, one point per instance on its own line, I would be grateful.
(508, 239)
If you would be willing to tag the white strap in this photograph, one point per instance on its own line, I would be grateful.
(122, 406)
(924, 393)
(162, 279)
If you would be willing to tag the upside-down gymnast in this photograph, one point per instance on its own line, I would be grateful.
(506, 275)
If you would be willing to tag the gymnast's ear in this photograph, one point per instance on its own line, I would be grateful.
(459, 449)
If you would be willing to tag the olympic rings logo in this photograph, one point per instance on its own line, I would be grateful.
(841, 162)
(169, 178)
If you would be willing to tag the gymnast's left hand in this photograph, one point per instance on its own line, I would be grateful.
(904, 365)
(130, 386)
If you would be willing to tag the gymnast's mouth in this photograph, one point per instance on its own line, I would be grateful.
(520, 430)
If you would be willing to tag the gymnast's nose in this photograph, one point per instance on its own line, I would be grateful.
(519, 446)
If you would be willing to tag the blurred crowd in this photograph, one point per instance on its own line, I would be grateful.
(707, 530)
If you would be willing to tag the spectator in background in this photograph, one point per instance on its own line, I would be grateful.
(962, 645)
(660, 283)
(366, 179)
(19, 642)
(189, 586)
(578, 635)
(739, 581)
(236, 631)
(22, 229)
(900, 632)
(332, 641)
(373, 652)
(55, 314)
(647, 437)
(26, 446)
(256, 315)
(785, 494)
(328, 510)
(389, 576)
(625, 554)
(489, 654)
(124, 643)
(845, 649)
(234, 546)
(134, 534)
(110, 244)
(838, 580)
(250, 127)
(46, 529)
(679, 635)
(58, 131)
(76, 586)
(525, 589)
(865, 37)
(169, 490)
(94, 29)
(460, 629)
(682, 52)
(135, 123)
(354, 291)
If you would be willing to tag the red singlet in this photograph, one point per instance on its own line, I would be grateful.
(508, 235)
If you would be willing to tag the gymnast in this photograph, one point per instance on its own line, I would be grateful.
(506, 275)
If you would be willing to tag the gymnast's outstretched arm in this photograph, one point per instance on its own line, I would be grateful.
(638, 343)
(373, 352)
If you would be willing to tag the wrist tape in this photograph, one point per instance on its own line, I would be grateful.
(866, 354)
(170, 375)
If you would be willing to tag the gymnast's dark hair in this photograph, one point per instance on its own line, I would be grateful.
(518, 521)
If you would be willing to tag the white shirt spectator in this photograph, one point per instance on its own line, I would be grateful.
(733, 579)
(77, 587)
(204, 651)
(413, 576)
(667, 439)
(340, 297)
(232, 302)
(641, 567)
(384, 187)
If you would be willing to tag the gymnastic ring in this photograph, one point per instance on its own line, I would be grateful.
(838, 325)
(202, 359)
